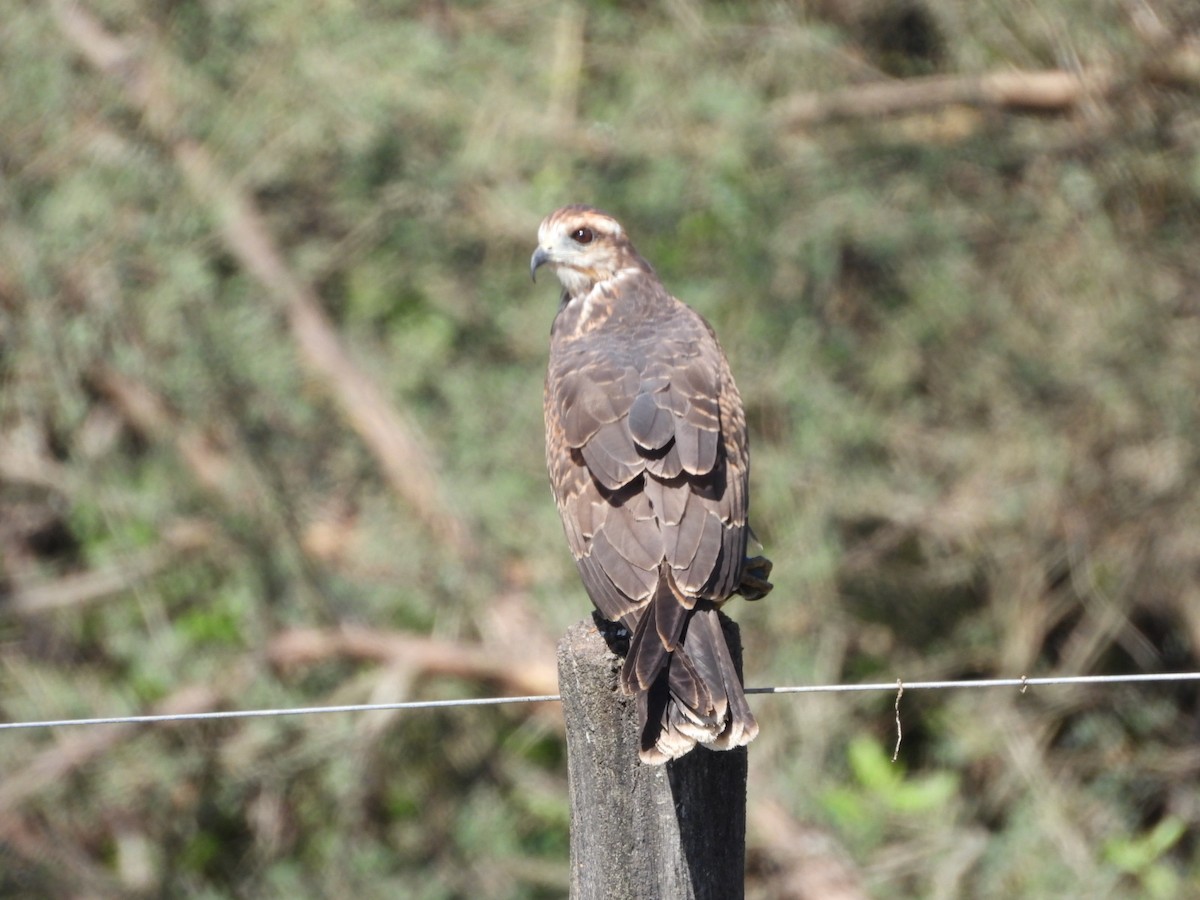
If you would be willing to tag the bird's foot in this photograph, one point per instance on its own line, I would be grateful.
(754, 584)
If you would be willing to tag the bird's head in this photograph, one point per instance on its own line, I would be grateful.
(584, 247)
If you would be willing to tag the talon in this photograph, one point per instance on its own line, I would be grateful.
(754, 584)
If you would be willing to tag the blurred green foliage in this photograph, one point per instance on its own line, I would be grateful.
(968, 341)
(880, 792)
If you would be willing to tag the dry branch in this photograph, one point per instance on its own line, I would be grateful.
(181, 539)
(1176, 64)
(148, 414)
(392, 438)
(518, 673)
(1049, 91)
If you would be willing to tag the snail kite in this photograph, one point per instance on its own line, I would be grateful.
(648, 459)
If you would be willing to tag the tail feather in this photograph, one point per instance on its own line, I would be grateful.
(656, 633)
(742, 727)
(687, 686)
(693, 708)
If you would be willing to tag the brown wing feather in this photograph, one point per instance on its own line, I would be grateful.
(704, 506)
(584, 511)
(650, 425)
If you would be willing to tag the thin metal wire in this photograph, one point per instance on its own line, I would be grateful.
(291, 711)
(890, 686)
(1023, 682)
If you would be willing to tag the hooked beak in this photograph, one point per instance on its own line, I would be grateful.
(540, 257)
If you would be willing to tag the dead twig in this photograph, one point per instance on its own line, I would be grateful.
(184, 538)
(1049, 91)
(148, 414)
(519, 673)
(1176, 66)
(899, 728)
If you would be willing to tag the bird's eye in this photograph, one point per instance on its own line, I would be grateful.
(582, 235)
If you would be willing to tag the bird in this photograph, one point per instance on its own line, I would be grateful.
(648, 457)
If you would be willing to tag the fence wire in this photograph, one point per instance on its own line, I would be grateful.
(899, 687)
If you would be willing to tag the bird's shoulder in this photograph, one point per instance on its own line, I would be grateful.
(637, 321)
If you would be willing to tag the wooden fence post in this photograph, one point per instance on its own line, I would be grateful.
(642, 832)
